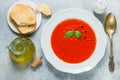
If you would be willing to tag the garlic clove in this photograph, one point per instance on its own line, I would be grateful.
(100, 6)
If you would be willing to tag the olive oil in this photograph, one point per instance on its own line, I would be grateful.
(22, 50)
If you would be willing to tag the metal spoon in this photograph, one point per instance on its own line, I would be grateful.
(110, 27)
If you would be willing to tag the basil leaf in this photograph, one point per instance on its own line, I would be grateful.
(78, 34)
(69, 34)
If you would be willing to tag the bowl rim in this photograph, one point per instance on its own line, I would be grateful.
(91, 62)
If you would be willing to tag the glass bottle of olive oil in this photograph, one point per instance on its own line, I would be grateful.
(22, 50)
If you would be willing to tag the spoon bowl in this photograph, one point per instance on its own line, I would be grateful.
(110, 24)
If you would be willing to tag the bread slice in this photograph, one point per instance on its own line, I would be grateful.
(24, 29)
(45, 9)
(23, 15)
(27, 29)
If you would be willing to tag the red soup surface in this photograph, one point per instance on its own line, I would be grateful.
(73, 50)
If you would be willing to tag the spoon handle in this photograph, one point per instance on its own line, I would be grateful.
(111, 57)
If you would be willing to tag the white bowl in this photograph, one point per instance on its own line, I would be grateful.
(98, 53)
(29, 3)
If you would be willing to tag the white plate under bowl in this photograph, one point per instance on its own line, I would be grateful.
(95, 24)
(33, 6)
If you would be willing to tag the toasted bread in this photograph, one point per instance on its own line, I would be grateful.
(24, 29)
(27, 29)
(45, 9)
(23, 17)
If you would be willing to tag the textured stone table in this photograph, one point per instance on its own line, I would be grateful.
(8, 71)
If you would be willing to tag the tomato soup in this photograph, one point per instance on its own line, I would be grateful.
(73, 50)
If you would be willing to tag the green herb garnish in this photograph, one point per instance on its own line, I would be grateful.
(78, 34)
(69, 34)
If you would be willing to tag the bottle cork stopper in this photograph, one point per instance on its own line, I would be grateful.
(37, 62)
